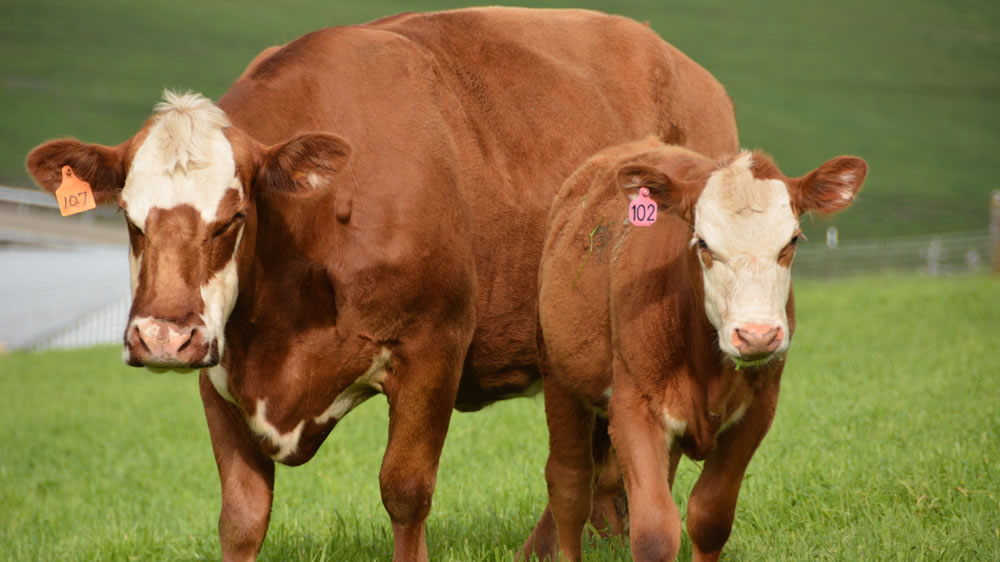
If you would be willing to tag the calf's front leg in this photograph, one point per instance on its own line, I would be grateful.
(246, 476)
(645, 459)
(712, 505)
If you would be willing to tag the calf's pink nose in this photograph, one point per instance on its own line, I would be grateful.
(757, 339)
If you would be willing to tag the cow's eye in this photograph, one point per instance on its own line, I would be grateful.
(702, 244)
(233, 223)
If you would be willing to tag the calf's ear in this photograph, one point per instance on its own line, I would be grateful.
(671, 193)
(303, 164)
(830, 188)
(100, 166)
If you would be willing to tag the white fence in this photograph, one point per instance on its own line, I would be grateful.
(104, 325)
(938, 254)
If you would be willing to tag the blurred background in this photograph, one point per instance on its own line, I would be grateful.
(911, 86)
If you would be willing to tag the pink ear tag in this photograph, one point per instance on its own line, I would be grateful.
(642, 209)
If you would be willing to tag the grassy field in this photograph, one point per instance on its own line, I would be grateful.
(912, 86)
(886, 447)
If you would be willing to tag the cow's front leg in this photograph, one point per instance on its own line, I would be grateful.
(712, 505)
(569, 471)
(421, 391)
(638, 438)
(246, 475)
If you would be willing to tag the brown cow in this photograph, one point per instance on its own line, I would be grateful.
(363, 213)
(675, 332)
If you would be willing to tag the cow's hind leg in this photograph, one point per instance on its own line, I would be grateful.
(246, 475)
(712, 505)
(609, 515)
(609, 512)
(421, 391)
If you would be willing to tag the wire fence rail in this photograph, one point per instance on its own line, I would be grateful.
(935, 254)
(101, 326)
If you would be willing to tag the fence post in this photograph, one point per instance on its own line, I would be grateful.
(995, 230)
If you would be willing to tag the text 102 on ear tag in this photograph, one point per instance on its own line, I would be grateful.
(74, 195)
(642, 210)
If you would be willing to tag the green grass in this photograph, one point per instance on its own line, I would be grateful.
(886, 446)
(912, 86)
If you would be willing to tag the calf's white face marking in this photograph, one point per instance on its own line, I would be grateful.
(186, 159)
(744, 223)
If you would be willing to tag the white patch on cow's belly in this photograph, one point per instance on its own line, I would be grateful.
(220, 380)
(367, 385)
(674, 428)
(285, 442)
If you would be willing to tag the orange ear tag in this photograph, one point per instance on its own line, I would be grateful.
(642, 210)
(74, 194)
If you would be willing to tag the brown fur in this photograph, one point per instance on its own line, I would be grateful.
(634, 325)
(426, 239)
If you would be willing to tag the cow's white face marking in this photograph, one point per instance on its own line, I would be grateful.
(134, 264)
(219, 295)
(367, 385)
(745, 224)
(285, 442)
(186, 159)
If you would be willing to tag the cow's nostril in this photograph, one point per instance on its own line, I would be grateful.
(187, 342)
(138, 336)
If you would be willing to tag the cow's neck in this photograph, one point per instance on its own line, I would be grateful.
(289, 366)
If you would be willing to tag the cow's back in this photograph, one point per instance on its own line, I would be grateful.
(478, 116)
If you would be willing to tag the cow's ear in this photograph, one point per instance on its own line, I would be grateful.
(671, 193)
(303, 164)
(830, 188)
(100, 166)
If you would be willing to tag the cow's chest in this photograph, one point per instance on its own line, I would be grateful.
(291, 421)
(694, 419)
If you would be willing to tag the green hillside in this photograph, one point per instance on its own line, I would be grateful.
(913, 87)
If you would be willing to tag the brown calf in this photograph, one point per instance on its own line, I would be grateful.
(363, 213)
(673, 333)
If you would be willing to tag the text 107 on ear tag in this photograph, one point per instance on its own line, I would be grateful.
(642, 210)
(74, 195)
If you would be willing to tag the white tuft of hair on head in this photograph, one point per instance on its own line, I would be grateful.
(189, 122)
